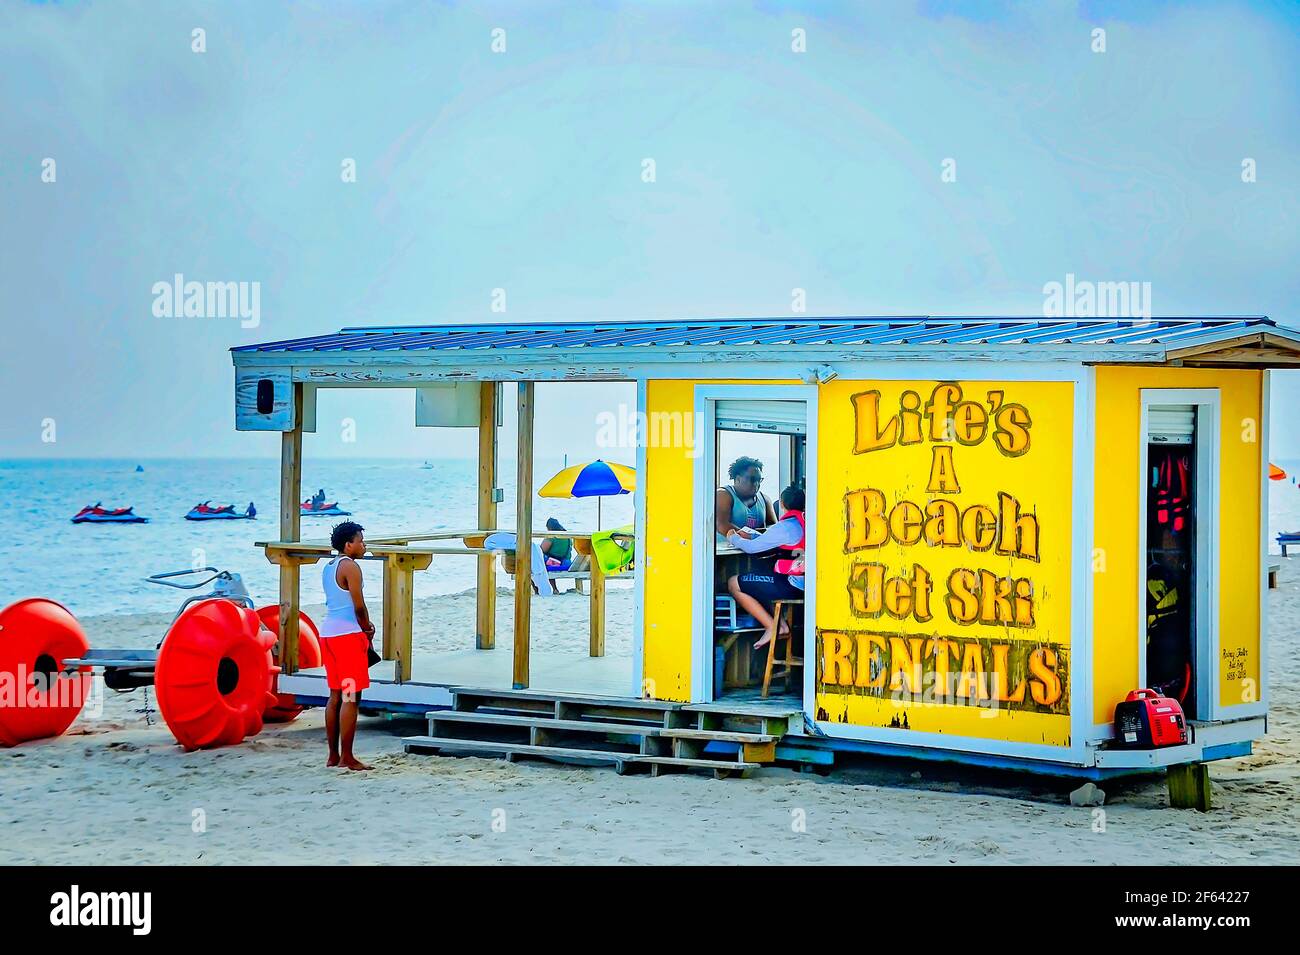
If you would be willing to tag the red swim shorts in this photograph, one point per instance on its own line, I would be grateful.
(347, 666)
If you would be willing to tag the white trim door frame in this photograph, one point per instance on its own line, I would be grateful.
(638, 688)
(1260, 706)
(706, 470)
(1205, 572)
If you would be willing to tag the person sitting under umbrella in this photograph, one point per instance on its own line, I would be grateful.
(558, 551)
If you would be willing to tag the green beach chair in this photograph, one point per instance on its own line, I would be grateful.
(615, 549)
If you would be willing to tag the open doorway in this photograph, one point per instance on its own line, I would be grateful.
(758, 560)
(1177, 528)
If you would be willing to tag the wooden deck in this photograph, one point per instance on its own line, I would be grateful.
(569, 675)
(436, 671)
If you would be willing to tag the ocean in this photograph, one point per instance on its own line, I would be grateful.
(94, 569)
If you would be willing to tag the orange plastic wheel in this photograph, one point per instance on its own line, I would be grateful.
(37, 699)
(285, 708)
(214, 675)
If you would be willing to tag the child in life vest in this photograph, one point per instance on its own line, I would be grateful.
(755, 591)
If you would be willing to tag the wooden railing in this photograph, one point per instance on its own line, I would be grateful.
(403, 555)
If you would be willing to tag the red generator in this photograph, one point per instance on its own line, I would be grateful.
(1146, 720)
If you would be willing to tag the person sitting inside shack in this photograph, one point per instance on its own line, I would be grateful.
(756, 590)
(740, 504)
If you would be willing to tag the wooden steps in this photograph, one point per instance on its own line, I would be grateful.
(543, 696)
(721, 769)
(622, 762)
(627, 734)
(580, 757)
(439, 718)
(560, 706)
(744, 717)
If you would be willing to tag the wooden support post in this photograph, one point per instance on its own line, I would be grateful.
(523, 535)
(290, 530)
(399, 600)
(389, 646)
(597, 607)
(1189, 786)
(290, 578)
(486, 629)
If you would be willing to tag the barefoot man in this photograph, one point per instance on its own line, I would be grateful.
(345, 642)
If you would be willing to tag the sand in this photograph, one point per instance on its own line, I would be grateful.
(116, 789)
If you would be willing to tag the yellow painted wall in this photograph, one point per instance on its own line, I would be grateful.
(860, 640)
(667, 553)
(670, 589)
(1040, 479)
(1118, 636)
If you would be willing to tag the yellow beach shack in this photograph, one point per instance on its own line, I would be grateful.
(993, 509)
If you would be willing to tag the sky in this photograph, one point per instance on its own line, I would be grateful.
(523, 170)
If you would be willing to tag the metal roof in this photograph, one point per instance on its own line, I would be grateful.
(919, 332)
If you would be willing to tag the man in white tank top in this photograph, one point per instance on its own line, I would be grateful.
(346, 633)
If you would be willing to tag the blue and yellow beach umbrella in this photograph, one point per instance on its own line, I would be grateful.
(597, 479)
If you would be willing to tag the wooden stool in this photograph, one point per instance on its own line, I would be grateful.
(779, 608)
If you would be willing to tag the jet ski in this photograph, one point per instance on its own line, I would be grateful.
(323, 509)
(207, 511)
(95, 514)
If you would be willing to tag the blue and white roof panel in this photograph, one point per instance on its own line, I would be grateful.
(866, 333)
(779, 347)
